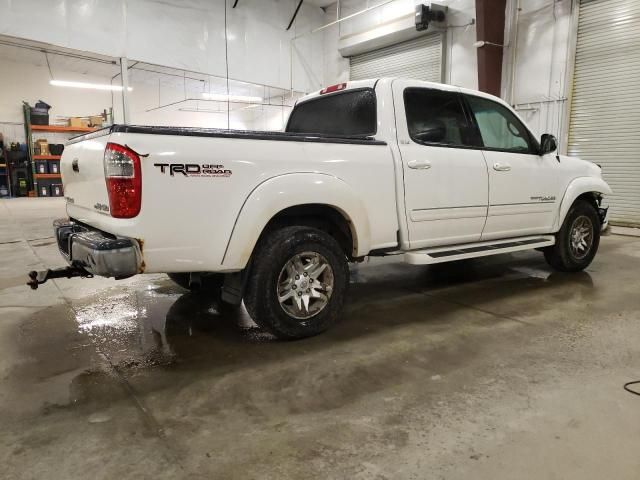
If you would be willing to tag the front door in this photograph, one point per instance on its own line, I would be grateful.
(524, 186)
(445, 174)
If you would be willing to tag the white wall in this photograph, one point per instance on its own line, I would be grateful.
(542, 42)
(543, 45)
(189, 34)
(25, 76)
(461, 61)
(184, 34)
(28, 82)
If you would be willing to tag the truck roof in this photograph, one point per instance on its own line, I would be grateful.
(371, 83)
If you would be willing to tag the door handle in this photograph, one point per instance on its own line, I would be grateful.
(501, 167)
(419, 164)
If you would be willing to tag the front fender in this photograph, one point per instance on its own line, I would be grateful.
(278, 193)
(576, 188)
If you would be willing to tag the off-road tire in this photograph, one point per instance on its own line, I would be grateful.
(272, 254)
(560, 256)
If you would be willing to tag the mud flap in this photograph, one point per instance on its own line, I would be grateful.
(38, 278)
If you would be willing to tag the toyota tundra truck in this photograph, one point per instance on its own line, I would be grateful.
(427, 172)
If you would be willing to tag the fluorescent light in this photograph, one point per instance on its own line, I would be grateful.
(92, 86)
(231, 98)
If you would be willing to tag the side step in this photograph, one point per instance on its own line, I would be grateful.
(474, 250)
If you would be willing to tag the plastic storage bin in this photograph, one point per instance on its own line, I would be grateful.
(42, 166)
(57, 190)
(56, 148)
(40, 113)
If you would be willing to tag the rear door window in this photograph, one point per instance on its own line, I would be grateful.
(437, 117)
(350, 113)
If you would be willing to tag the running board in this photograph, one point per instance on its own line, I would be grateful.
(474, 250)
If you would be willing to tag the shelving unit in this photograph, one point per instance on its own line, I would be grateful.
(30, 130)
(59, 128)
(4, 171)
(47, 175)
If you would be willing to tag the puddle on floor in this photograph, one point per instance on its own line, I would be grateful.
(157, 324)
(154, 322)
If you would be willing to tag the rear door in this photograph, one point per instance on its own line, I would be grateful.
(524, 186)
(445, 174)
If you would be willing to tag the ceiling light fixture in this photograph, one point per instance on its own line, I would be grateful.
(220, 97)
(91, 86)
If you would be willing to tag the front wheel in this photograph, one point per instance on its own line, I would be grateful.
(298, 282)
(577, 241)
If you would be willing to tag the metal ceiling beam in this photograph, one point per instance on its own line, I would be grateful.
(295, 14)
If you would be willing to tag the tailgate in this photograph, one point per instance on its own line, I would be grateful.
(82, 168)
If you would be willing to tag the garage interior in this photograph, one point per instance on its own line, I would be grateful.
(491, 368)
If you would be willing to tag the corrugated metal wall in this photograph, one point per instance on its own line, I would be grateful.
(420, 59)
(605, 108)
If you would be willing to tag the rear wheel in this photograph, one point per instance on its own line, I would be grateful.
(298, 282)
(577, 241)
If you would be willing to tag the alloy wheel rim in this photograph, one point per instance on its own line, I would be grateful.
(581, 237)
(305, 285)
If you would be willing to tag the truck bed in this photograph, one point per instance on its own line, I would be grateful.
(191, 221)
(221, 133)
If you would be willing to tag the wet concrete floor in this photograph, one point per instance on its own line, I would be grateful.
(488, 369)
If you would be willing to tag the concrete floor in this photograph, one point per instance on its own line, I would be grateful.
(490, 369)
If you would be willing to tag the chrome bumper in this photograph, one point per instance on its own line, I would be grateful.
(97, 252)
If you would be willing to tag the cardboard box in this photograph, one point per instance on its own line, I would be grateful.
(95, 120)
(75, 122)
(43, 146)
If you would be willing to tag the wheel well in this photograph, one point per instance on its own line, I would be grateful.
(592, 197)
(322, 217)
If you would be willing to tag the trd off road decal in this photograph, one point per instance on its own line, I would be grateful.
(193, 169)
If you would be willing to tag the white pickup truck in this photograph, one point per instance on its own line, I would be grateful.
(429, 172)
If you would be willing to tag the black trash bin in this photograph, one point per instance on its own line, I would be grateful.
(40, 113)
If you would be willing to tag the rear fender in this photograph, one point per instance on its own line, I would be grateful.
(578, 187)
(279, 193)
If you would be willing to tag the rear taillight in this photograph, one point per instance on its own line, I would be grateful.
(124, 180)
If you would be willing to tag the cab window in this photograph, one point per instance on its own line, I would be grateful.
(349, 113)
(499, 128)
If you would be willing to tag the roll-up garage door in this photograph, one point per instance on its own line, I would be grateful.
(420, 58)
(605, 107)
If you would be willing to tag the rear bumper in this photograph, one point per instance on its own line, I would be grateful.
(98, 252)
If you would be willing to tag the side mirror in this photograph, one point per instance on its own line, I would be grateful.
(548, 144)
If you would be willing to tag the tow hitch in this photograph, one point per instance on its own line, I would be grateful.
(38, 278)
